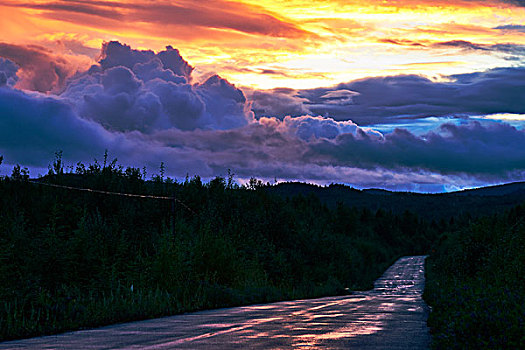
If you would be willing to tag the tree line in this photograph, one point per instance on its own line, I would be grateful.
(73, 259)
(76, 259)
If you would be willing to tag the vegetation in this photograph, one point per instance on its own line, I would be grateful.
(475, 284)
(72, 259)
(439, 206)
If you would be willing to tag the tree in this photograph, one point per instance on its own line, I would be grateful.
(20, 174)
(254, 184)
(162, 171)
(57, 168)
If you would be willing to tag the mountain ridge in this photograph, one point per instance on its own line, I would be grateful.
(474, 202)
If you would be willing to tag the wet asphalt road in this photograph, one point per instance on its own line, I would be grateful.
(391, 316)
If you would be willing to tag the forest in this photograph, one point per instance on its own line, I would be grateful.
(475, 284)
(73, 259)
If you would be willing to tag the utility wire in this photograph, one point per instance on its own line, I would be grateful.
(115, 193)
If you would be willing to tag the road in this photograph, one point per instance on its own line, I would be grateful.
(391, 316)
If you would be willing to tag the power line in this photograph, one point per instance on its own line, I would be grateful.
(115, 193)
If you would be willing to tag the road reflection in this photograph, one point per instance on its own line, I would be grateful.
(391, 316)
(330, 322)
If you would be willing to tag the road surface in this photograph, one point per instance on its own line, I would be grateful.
(391, 316)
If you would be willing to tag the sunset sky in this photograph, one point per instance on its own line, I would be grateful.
(407, 95)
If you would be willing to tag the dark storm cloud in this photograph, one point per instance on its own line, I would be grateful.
(463, 45)
(390, 99)
(309, 128)
(278, 103)
(512, 27)
(117, 54)
(466, 154)
(8, 71)
(515, 2)
(471, 148)
(33, 127)
(226, 106)
(509, 51)
(512, 51)
(145, 91)
(143, 108)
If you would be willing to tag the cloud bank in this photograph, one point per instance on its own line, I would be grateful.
(377, 100)
(145, 109)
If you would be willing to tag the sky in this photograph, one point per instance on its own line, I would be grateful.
(407, 95)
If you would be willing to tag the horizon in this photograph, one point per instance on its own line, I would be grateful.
(403, 95)
(69, 169)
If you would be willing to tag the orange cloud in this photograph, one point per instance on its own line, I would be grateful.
(214, 14)
(40, 69)
(308, 43)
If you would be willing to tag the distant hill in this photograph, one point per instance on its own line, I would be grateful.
(480, 201)
(475, 202)
(498, 190)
